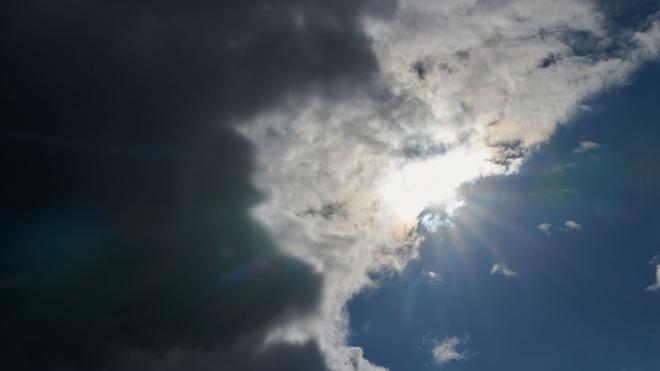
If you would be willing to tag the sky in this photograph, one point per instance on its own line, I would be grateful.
(330, 185)
(570, 298)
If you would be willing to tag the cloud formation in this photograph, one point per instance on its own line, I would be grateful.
(656, 285)
(193, 246)
(502, 269)
(132, 247)
(448, 349)
(544, 227)
(432, 276)
(571, 225)
(465, 90)
(587, 146)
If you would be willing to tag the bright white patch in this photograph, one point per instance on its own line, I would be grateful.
(502, 269)
(572, 225)
(587, 146)
(408, 189)
(545, 228)
(447, 350)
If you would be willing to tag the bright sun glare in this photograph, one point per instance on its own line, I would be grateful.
(413, 186)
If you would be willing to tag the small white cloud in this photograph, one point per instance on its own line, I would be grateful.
(544, 227)
(572, 225)
(432, 276)
(587, 146)
(448, 350)
(501, 268)
(656, 286)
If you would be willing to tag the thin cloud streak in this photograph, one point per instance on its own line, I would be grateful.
(587, 146)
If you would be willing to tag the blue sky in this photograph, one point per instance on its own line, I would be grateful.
(578, 299)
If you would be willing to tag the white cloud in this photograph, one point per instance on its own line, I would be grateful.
(432, 276)
(544, 227)
(571, 225)
(499, 78)
(587, 146)
(448, 350)
(502, 269)
(656, 285)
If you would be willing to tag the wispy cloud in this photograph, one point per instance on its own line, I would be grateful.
(656, 262)
(432, 276)
(587, 146)
(366, 327)
(571, 225)
(560, 168)
(544, 227)
(502, 269)
(448, 350)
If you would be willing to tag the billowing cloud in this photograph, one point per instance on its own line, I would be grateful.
(448, 349)
(587, 146)
(571, 225)
(502, 269)
(544, 227)
(133, 247)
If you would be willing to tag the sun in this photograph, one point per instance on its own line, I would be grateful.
(411, 187)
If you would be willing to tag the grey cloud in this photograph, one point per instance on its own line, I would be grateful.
(246, 356)
(131, 190)
(421, 148)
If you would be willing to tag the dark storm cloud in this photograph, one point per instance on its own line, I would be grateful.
(125, 196)
(277, 357)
